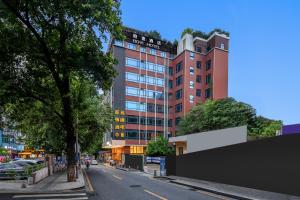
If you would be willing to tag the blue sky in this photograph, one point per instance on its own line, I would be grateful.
(264, 58)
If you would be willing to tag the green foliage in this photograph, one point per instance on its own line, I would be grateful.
(217, 114)
(187, 30)
(3, 151)
(43, 44)
(197, 33)
(160, 147)
(264, 127)
(226, 113)
(154, 34)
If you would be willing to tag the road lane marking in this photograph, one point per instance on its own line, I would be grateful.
(156, 195)
(48, 195)
(88, 181)
(117, 177)
(76, 198)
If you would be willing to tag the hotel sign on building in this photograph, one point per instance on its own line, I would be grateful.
(144, 40)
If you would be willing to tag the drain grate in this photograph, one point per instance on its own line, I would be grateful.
(135, 186)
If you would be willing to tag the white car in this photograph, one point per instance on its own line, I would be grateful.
(94, 162)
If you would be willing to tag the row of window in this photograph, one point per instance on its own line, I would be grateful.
(192, 71)
(140, 78)
(132, 91)
(151, 121)
(142, 49)
(192, 84)
(142, 134)
(143, 107)
(131, 62)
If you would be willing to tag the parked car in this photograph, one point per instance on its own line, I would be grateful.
(23, 163)
(94, 162)
(112, 162)
(11, 171)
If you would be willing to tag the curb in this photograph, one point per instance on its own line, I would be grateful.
(211, 191)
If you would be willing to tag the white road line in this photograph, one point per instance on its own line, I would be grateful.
(48, 195)
(117, 177)
(156, 195)
(76, 198)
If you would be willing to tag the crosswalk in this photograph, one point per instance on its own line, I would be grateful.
(53, 196)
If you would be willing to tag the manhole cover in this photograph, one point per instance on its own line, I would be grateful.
(134, 186)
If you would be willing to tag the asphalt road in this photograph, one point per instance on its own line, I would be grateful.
(114, 184)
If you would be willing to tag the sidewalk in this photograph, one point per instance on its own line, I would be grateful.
(55, 182)
(230, 190)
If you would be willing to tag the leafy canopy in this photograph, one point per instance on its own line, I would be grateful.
(43, 45)
(160, 147)
(226, 113)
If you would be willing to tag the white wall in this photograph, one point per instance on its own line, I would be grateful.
(218, 138)
(189, 44)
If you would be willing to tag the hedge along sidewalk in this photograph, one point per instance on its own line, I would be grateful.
(55, 182)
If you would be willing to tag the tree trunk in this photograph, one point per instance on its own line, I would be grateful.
(69, 127)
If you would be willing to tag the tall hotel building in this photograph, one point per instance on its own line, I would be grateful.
(158, 83)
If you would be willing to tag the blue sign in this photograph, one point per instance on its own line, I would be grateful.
(162, 165)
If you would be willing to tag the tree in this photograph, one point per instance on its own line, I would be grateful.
(154, 34)
(226, 113)
(217, 114)
(43, 43)
(187, 30)
(264, 127)
(160, 147)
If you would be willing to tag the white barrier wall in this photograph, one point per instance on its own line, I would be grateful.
(40, 175)
(214, 139)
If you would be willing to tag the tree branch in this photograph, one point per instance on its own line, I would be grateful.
(43, 45)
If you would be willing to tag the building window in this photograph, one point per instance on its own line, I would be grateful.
(192, 55)
(178, 107)
(191, 98)
(178, 67)
(119, 43)
(192, 84)
(143, 49)
(160, 68)
(163, 54)
(207, 93)
(208, 79)
(170, 71)
(153, 51)
(132, 105)
(178, 80)
(192, 70)
(132, 91)
(198, 49)
(179, 94)
(132, 77)
(170, 123)
(198, 64)
(131, 46)
(177, 120)
(198, 93)
(132, 120)
(131, 62)
(172, 55)
(198, 79)
(170, 84)
(208, 65)
(222, 46)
